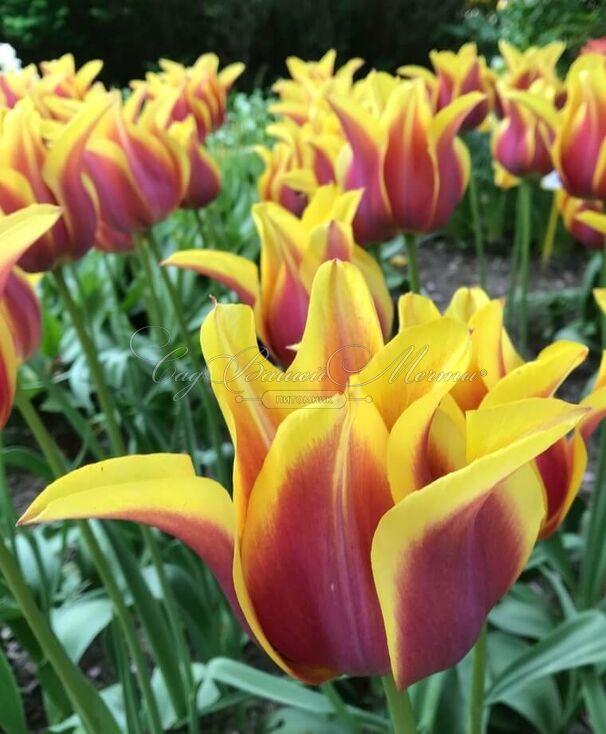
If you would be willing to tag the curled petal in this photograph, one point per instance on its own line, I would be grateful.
(443, 556)
(159, 490)
(19, 230)
(237, 273)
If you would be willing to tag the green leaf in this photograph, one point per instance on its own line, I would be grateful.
(12, 716)
(152, 618)
(539, 702)
(294, 721)
(77, 623)
(280, 690)
(595, 699)
(523, 612)
(576, 642)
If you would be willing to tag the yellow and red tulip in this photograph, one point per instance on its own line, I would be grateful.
(292, 250)
(503, 377)
(19, 310)
(330, 556)
(457, 74)
(580, 146)
(140, 172)
(522, 139)
(37, 169)
(411, 165)
(537, 63)
(304, 95)
(572, 211)
(201, 90)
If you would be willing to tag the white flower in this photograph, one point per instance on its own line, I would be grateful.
(8, 58)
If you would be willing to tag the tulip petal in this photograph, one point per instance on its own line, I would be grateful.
(160, 490)
(539, 378)
(312, 516)
(443, 556)
(343, 330)
(241, 379)
(8, 369)
(419, 360)
(19, 231)
(414, 309)
(373, 221)
(237, 273)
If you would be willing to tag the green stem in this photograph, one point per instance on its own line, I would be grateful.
(510, 304)
(153, 305)
(90, 352)
(478, 678)
(171, 607)
(9, 513)
(477, 227)
(400, 707)
(550, 230)
(410, 240)
(194, 352)
(341, 711)
(524, 203)
(49, 448)
(87, 703)
(127, 624)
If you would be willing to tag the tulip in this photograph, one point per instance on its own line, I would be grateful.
(303, 158)
(411, 165)
(457, 74)
(139, 170)
(292, 250)
(522, 140)
(328, 554)
(504, 377)
(37, 171)
(19, 311)
(200, 90)
(311, 82)
(570, 209)
(579, 150)
(537, 63)
(17, 84)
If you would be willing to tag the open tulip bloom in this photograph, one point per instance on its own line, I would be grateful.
(374, 522)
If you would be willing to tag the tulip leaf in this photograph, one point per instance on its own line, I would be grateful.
(77, 623)
(12, 716)
(576, 642)
(278, 689)
(523, 612)
(539, 702)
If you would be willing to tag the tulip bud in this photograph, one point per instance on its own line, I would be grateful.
(139, 171)
(40, 170)
(580, 145)
(521, 141)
